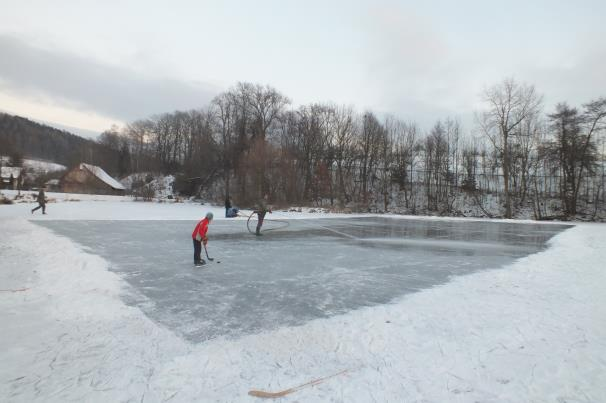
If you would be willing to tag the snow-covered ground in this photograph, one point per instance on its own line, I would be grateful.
(71, 206)
(161, 184)
(534, 330)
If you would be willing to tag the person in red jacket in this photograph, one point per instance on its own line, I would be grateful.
(199, 237)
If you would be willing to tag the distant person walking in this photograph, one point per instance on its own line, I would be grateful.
(262, 209)
(41, 199)
(199, 237)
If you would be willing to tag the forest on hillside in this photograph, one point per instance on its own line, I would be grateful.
(23, 138)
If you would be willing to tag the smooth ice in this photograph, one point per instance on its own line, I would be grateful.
(298, 271)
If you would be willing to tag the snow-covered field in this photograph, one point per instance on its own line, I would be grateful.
(534, 330)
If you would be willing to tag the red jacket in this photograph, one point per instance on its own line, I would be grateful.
(201, 229)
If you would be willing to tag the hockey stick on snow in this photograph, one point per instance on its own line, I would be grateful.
(15, 290)
(274, 395)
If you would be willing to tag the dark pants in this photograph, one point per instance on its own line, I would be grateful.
(40, 206)
(260, 223)
(197, 251)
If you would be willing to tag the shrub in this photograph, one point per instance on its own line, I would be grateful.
(147, 193)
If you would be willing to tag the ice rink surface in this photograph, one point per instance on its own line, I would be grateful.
(297, 271)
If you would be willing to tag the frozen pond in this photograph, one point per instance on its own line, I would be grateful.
(304, 270)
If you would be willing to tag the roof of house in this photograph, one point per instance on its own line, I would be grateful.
(103, 176)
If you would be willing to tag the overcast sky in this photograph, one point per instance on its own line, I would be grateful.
(91, 64)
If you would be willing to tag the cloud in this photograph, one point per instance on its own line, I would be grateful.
(427, 68)
(403, 43)
(86, 84)
(580, 80)
(412, 69)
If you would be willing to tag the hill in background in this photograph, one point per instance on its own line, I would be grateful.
(33, 140)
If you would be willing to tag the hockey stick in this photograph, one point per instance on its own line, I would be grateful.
(208, 257)
(274, 395)
(15, 290)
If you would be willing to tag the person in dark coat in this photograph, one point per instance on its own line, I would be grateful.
(41, 199)
(227, 206)
(262, 209)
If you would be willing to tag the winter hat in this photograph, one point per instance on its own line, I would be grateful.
(209, 215)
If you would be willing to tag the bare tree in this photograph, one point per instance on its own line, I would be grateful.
(407, 149)
(369, 141)
(436, 168)
(224, 112)
(343, 139)
(509, 104)
(256, 108)
(573, 151)
(529, 135)
(138, 134)
(265, 103)
(470, 165)
(594, 122)
(387, 156)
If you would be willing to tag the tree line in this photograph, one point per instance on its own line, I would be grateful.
(250, 140)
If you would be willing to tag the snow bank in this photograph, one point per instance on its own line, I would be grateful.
(66, 334)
